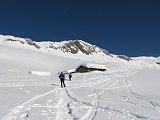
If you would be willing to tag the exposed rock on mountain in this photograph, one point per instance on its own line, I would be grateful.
(124, 57)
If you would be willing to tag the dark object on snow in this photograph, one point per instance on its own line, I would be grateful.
(90, 67)
(158, 63)
(62, 78)
(70, 76)
(124, 57)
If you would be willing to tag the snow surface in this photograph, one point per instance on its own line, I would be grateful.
(126, 91)
(40, 73)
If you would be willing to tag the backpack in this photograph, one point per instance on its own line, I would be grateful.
(62, 76)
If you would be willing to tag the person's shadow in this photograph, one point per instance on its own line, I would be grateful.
(54, 84)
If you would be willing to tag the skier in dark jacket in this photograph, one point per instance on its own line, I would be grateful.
(70, 76)
(62, 78)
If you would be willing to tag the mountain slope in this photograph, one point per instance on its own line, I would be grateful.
(25, 60)
(75, 49)
(70, 46)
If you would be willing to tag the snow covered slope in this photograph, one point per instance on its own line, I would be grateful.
(127, 90)
(25, 59)
(75, 49)
(147, 59)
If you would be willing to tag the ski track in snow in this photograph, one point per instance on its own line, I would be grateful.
(99, 84)
(21, 111)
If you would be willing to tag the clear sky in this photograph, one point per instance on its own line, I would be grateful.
(130, 27)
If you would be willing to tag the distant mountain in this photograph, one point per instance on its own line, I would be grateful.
(70, 46)
(146, 59)
(74, 47)
(77, 49)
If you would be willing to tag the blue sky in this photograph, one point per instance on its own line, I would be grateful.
(130, 27)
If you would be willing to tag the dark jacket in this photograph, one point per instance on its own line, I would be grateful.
(70, 75)
(62, 76)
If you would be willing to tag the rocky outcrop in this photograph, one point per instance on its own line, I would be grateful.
(124, 57)
(75, 46)
(25, 41)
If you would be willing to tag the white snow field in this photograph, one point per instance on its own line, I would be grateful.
(30, 88)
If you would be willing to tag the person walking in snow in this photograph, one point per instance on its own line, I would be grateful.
(62, 78)
(70, 76)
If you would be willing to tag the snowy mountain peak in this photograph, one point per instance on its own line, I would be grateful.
(18, 42)
(72, 47)
(76, 46)
(75, 49)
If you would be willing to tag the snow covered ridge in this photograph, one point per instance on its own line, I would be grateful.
(73, 46)
(149, 60)
(70, 46)
(18, 42)
(74, 49)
